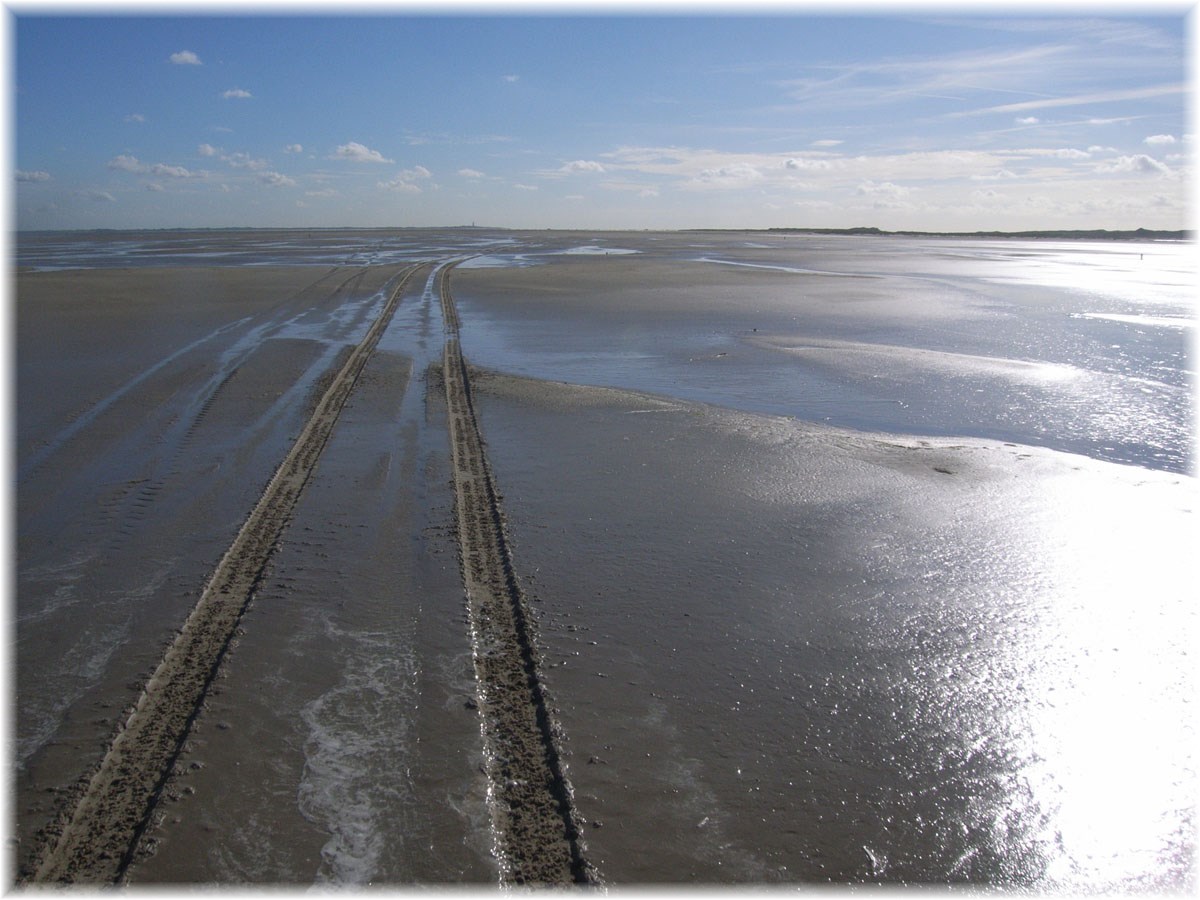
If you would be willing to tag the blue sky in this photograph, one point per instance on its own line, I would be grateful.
(901, 120)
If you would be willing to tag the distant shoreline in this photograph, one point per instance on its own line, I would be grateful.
(1097, 234)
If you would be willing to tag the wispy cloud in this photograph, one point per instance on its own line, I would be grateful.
(1095, 32)
(236, 94)
(1146, 93)
(185, 58)
(511, 79)
(293, 148)
(135, 117)
(470, 173)
(97, 196)
(31, 177)
(356, 152)
(1160, 139)
(951, 77)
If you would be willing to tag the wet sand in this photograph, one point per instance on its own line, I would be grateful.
(793, 653)
(176, 401)
(773, 651)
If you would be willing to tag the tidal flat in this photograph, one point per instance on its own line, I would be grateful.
(846, 559)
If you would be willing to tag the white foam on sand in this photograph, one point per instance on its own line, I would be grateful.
(507, 261)
(357, 753)
(593, 250)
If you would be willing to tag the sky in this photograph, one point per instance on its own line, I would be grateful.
(921, 119)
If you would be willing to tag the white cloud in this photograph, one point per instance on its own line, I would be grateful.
(135, 117)
(882, 189)
(324, 192)
(400, 185)
(126, 163)
(275, 179)
(245, 161)
(730, 176)
(169, 171)
(1060, 153)
(525, 187)
(155, 187)
(185, 58)
(470, 173)
(356, 152)
(1137, 164)
(30, 177)
(293, 148)
(648, 192)
(236, 94)
(405, 180)
(999, 175)
(207, 150)
(1160, 139)
(809, 165)
(582, 165)
(511, 79)
(826, 143)
(1096, 148)
(1027, 120)
(98, 196)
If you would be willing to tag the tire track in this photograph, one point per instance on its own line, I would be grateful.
(96, 840)
(537, 830)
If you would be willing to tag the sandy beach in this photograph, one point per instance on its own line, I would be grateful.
(797, 567)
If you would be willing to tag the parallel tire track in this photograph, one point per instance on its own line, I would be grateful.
(536, 826)
(99, 837)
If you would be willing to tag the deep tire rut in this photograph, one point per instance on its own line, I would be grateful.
(97, 839)
(536, 827)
